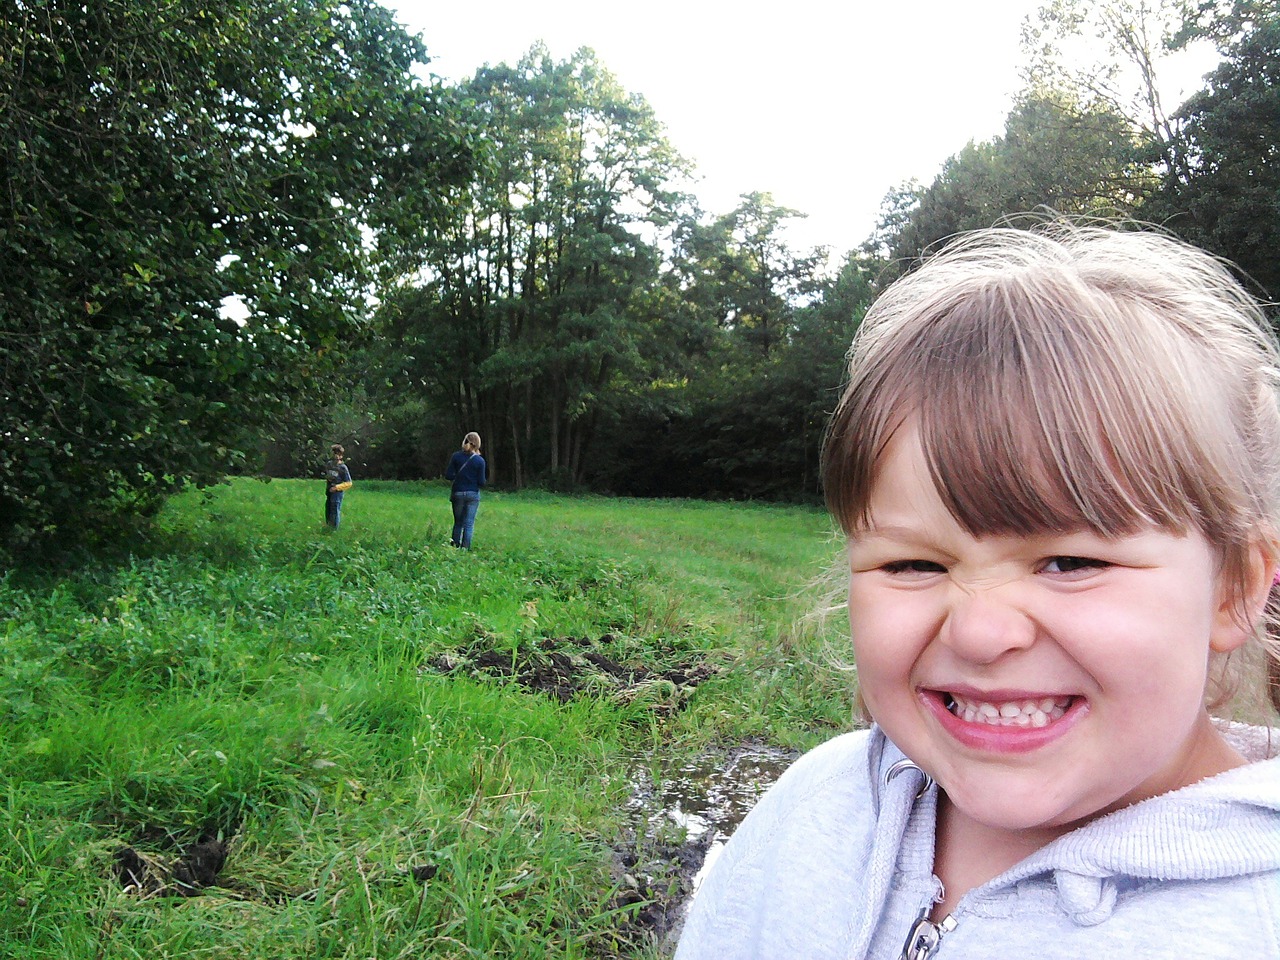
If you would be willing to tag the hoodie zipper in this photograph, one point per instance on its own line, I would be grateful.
(926, 936)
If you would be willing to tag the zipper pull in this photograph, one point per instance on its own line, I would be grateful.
(925, 936)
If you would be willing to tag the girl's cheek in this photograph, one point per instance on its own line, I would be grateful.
(897, 617)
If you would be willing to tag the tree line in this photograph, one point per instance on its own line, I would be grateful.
(517, 253)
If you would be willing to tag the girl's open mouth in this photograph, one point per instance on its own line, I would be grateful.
(1008, 723)
(1008, 713)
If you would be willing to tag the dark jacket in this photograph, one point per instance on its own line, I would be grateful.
(467, 471)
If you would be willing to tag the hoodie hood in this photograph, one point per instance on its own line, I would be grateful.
(836, 862)
(1225, 826)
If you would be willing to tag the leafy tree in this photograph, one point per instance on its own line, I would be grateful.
(964, 196)
(764, 423)
(1228, 197)
(1055, 153)
(743, 421)
(159, 156)
(748, 277)
(896, 208)
(1108, 54)
(528, 323)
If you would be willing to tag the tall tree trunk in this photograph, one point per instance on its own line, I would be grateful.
(575, 454)
(517, 462)
(553, 428)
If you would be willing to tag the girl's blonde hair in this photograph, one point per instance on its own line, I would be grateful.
(472, 439)
(1067, 377)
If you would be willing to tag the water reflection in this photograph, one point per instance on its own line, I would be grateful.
(712, 794)
(693, 808)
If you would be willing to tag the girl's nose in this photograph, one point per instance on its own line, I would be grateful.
(982, 625)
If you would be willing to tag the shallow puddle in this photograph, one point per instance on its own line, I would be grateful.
(691, 811)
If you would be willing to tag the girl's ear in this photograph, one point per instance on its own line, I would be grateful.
(1239, 613)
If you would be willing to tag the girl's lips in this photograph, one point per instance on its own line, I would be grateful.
(1004, 723)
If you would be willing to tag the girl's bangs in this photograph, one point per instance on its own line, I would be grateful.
(1040, 425)
(1000, 472)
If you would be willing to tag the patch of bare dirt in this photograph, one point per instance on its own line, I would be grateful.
(570, 667)
(185, 874)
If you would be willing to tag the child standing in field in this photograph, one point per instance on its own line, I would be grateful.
(337, 481)
(467, 471)
(1057, 464)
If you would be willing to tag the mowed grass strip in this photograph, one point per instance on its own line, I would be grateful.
(250, 678)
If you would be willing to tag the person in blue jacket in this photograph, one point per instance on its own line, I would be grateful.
(467, 471)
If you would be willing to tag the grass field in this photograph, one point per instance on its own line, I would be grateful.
(400, 748)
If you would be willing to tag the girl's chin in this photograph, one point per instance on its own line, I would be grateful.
(1036, 820)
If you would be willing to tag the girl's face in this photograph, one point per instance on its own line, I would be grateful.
(1041, 681)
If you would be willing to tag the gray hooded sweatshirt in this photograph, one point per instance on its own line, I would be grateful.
(836, 863)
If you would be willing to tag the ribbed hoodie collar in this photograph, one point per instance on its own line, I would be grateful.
(1225, 826)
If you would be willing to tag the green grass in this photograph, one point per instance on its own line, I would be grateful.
(251, 676)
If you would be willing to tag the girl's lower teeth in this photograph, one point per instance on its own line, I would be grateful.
(1026, 713)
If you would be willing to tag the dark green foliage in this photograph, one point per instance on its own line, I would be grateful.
(1228, 200)
(745, 277)
(1055, 153)
(158, 157)
(1082, 143)
(526, 329)
(576, 312)
(749, 424)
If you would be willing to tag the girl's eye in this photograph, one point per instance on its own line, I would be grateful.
(1073, 564)
(913, 566)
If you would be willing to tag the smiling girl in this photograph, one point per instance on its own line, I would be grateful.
(1057, 463)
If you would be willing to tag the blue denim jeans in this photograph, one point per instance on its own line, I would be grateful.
(333, 509)
(465, 505)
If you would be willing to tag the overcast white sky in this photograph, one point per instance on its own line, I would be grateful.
(825, 104)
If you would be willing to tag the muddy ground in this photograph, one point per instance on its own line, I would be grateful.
(568, 667)
(679, 815)
(182, 874)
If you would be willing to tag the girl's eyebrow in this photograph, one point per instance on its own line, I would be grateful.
(890, 531)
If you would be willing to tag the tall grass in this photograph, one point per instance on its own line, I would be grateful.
(251, 677)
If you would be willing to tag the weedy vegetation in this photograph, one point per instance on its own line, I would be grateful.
(250, 737)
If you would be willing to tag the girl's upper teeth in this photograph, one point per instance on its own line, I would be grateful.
(1010, 713)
